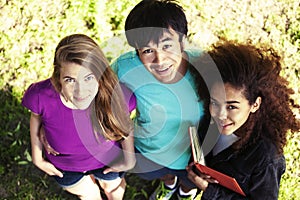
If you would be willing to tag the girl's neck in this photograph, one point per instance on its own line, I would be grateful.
(224, 141)
(66, 102)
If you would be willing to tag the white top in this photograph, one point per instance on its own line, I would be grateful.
(223, 142)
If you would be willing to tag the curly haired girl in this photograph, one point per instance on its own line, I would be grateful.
(253, 110)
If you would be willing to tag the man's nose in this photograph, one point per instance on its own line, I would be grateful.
(159, 57)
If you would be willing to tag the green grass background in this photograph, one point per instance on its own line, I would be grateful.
(30, 30)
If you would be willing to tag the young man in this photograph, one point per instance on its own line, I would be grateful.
(160, 75)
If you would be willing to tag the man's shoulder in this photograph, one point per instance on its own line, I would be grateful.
(130, 55)
(125, 62)
(193, 52)
(193, 55)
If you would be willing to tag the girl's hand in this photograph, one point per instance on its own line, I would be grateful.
(119, 167)
(49, 168)
(129, 159)
(45, 143)
(201, 180)
(36, 133)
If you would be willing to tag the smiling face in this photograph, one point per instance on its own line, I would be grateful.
(79, 85)
(230, 110)
(164, 60)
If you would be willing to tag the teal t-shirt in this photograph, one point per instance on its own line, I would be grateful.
(164, 111)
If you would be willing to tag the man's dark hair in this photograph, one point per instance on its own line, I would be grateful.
(149, 19)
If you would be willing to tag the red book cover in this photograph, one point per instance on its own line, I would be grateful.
(223, 179)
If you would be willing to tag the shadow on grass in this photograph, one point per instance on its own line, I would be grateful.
(20, 179)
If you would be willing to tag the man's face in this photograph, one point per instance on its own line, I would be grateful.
(164, 59)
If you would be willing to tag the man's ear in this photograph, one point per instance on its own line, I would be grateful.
(256, 105)
(183, 42)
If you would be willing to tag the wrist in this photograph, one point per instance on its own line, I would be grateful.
(37, 161)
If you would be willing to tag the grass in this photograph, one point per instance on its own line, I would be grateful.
(31, 30)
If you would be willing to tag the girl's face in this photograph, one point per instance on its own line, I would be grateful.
(79, 85)
(230, 109)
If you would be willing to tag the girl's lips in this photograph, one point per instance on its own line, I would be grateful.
(80, 98)
(225, 125)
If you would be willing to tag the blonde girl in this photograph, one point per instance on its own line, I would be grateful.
(84, 117)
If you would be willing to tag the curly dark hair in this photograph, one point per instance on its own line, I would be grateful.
(256, 70)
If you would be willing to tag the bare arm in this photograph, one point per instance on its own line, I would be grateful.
(129, 153)
(45, 143)
(129, 156)
(36, 147)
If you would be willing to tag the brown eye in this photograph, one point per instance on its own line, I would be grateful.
(69, 80)
(231, 107)
(167, 46)
(147, 51)
(213, 103)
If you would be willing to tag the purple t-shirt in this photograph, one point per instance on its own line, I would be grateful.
(69, 131)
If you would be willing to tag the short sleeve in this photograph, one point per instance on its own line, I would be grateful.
(129, 97)
(114, 66)
(30, 99)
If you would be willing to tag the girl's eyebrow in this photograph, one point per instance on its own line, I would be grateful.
(88, 75)
(67, 77)
(228, 102)
(74, 78)
(214, 100)
(231, 102)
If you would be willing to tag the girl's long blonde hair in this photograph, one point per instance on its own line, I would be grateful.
(109, 113)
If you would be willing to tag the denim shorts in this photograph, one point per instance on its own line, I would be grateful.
(71, 178)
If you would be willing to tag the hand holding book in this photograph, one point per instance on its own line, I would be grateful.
(199, 165)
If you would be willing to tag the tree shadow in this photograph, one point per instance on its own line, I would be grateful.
(20, 179)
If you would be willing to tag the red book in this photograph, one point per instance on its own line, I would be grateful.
(223, 179)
